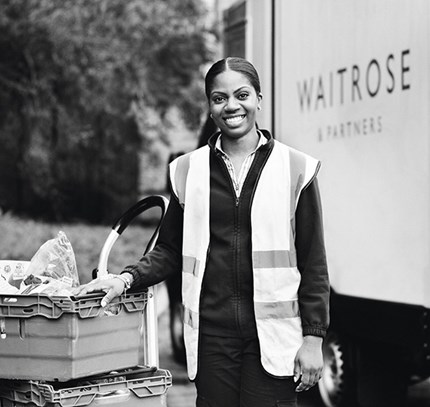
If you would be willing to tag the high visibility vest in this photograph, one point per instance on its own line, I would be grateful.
(276, 277)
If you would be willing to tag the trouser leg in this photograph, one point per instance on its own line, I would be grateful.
(230, 374)
(259, 389)
(218, 377)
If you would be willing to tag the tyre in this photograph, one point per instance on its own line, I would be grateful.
(364, 374)
(177, 332)
(337, 385)
(382, 378)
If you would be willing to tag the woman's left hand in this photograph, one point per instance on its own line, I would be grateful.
(308, 363)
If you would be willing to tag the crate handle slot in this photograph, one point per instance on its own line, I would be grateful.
(116, 397)
(10, 299)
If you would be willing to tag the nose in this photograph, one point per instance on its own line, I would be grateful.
(232, 104)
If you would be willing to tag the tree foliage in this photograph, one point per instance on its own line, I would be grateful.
(75, 76)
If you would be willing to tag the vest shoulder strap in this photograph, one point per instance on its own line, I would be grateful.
(178, 169)
(304, 168)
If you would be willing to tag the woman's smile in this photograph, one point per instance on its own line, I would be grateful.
(234, 120)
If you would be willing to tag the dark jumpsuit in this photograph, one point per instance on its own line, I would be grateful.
(229, 368)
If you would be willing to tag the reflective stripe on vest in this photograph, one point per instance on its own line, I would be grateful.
(276, 277)
(274, 259)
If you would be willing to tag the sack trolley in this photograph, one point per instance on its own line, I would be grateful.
(61, 351)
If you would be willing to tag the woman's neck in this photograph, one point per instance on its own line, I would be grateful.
(240, 146)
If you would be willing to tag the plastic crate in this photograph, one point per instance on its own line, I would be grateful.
(135, 387)
(58, 338)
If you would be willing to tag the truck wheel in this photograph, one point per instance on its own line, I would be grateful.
(381, 374)
(177, 332)
(337, 383)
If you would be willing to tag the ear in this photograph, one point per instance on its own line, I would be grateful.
(260, 98)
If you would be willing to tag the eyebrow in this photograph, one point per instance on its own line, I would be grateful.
(244, 87)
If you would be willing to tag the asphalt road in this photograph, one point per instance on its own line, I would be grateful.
(182, 393)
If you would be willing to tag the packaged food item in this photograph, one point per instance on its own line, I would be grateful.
(55, 259)
(6, 288)
(12, 272)
(51, 271)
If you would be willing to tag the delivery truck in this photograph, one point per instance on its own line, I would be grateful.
(348, 82)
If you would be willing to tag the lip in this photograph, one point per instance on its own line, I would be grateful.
(234, 120)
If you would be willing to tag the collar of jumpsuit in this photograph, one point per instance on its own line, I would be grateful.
(239, 179)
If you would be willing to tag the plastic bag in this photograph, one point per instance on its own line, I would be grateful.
(55, 259)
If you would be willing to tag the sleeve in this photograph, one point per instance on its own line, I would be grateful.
(314, 290)
(165, 259)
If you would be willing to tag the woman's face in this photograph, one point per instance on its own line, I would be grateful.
(233, 103)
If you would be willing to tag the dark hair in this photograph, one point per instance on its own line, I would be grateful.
(234, 64)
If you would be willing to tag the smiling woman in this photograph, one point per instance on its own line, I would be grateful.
(244, 225)
(234, 97)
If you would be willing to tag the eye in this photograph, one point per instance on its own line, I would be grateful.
(243, 96)
(217, 99)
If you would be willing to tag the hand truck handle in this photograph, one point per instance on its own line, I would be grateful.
(124, 220)
(151, 339)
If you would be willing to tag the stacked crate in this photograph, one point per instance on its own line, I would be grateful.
(59, 351)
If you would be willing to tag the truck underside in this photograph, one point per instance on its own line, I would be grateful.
(373, 351)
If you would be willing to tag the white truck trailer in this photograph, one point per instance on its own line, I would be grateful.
(349, 83)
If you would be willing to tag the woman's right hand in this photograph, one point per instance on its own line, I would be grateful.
(113, 287)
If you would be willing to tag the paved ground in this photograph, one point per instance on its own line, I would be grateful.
(182, 393)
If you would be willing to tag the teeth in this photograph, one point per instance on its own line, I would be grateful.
(234, 119)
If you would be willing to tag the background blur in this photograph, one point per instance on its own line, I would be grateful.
(94, 98)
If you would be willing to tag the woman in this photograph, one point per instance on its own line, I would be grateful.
(244, 225)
